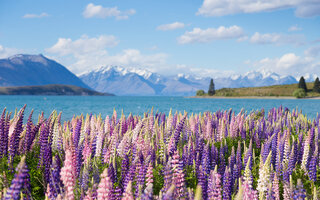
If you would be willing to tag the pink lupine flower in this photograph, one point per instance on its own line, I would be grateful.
(105, 187)
(149, 175)
(68, 172)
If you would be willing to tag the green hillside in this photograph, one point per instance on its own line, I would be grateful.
(269, 91)
(54, 89)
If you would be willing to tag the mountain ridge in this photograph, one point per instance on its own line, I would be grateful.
(152, 83)
(25, 70)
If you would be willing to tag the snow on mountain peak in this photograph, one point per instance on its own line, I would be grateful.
(19, 58)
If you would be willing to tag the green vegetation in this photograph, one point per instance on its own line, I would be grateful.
(299, 93)
(272, 91)
(200, 93)
(211, 90)
(50, 90)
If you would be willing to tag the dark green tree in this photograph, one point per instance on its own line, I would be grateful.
(302, 84)
(211, 90)
(316, 86)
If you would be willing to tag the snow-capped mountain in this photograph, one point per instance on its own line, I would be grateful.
(131, 81)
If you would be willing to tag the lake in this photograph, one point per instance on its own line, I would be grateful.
(75, 105)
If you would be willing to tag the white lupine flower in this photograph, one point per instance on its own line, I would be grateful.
(248, 174)
(264, 177)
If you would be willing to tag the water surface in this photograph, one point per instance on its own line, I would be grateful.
(75, 105)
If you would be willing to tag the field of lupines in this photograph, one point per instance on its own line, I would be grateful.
(221, 155)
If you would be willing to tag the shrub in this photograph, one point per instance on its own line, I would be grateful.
(200, 93)
(299, 93)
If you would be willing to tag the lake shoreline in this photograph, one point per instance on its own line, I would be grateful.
(250, 97)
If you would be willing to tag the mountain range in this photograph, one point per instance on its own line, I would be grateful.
(25, 70)
(131, 81)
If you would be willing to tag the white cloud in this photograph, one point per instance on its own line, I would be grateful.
(89, 53)
(303, 8)
(211, 34)
(99, 11)
(29, 16)
(312, 51)
(294, 28)
(290, 64)
(275, 38)
(84, 45)
(172, 26)
(6, 52)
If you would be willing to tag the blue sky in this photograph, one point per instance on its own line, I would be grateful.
(209, 37)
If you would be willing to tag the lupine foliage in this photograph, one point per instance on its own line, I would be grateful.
(220, 155)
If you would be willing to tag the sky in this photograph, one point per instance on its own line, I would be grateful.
(200, 37)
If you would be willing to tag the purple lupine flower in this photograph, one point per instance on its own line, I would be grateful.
(28, 136)
(55, 183)
(299, 193)
(167, 176)
(312, 172)
(222, 162)
(205, 161)
(43, 142)
(140, 176)
(3, 135)
(214, 185)
(238, 159)
(202, 181)
(19, 182)
(85, 178)
(176, 135)
(130, 175)
(227, 185)
(248, 155)
(76, 132)
(14, 134)
(124, 167)
(292, 160)
(178, 176)
(214, 157)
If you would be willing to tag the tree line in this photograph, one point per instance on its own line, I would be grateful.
(299, 93)
(302, 90)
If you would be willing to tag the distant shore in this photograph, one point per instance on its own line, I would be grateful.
(249, 97)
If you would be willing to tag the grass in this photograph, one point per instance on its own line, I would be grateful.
(270, 91)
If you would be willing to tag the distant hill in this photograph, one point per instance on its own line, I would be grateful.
(70, 90)
(267, 91)
(24, 70)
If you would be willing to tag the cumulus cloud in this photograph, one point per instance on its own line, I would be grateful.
(172, 26)
(89, 53)
(294, 28)
(290, 64)
(84, 45)
(275, 38)
(99, 11)
(198, 35)
(29, 16)
(6, 52)
(303, 8)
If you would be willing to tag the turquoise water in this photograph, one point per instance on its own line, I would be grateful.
(75, 105)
